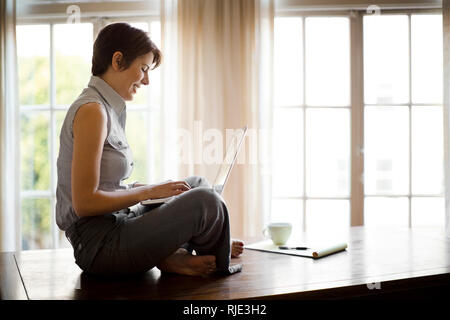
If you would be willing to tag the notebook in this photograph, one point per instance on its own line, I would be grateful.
(315, 252)
(224, 169)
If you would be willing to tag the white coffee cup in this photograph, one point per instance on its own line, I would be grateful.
(279, 232)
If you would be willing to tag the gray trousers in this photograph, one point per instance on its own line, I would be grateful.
(134, 240)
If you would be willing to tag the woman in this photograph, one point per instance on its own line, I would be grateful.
(111, 233)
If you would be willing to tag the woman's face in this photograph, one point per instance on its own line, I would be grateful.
(130, 80)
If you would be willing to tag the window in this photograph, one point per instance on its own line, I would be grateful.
(311, 179)
(404, 159)
(403, 124)
(54, 61)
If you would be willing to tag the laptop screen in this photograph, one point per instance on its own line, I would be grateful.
(229, 160)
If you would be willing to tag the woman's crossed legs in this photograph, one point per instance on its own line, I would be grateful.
(198, 218)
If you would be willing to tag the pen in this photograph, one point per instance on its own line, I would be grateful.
(292, 248)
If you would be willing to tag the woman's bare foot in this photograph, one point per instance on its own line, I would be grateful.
(237, 247)
(182, 262)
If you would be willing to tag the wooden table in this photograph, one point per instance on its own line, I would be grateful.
(387, 262)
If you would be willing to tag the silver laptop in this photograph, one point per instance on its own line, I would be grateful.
(225, 168)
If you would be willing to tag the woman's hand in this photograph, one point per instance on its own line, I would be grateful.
(166, 189)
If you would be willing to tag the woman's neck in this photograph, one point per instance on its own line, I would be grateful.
(109, 79)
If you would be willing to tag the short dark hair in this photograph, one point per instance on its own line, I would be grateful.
(130, 41)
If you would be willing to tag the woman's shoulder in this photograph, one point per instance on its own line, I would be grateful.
(92, 110)
(91, 105)
(90, 119)
(88, 95)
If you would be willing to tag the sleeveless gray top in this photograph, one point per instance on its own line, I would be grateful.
(116, 162)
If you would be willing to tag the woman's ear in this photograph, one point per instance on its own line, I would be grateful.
(117, 60)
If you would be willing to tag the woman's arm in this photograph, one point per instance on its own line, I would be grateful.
(139, 184)
(89, 134)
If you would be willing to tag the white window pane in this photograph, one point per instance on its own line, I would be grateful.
(428, 212)
(35, 151)
(36, 224)
(288, 62)
(288, 211)
(386, 152)
(73, 60)
(33, 53)
(140, 99)
(427, 150)
(155, 33)
(328, 152)
(426, 52)
(386, 212)
(154, 87)
(327, 216)
(140, 25)
(136, 131)
(288, 152)
(155, 75)
(59, 118)
(386, 59)
(327, 61)
(63, 242)
(156, 147)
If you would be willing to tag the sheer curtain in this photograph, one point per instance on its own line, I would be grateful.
(446, 46)
(223, 83)
(9, 213)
